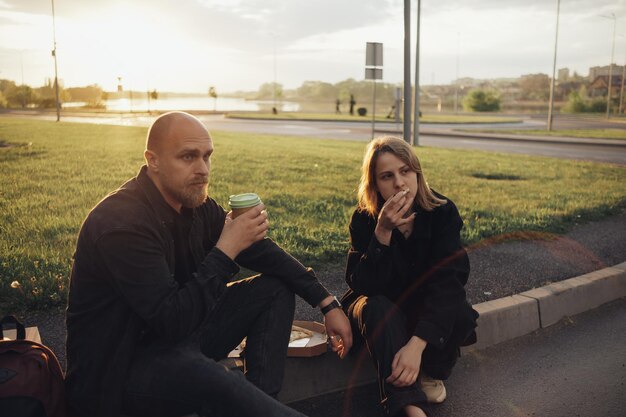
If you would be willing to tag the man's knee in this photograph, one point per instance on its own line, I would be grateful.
(276, 288)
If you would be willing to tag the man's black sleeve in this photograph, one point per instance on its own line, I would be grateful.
(136, 263)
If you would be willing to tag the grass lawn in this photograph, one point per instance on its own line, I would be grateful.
(426, 118)
(53, 173)
(575, 133)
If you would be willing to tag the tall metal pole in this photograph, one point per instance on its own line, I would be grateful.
(621, 91)
(374, 104)
(54, 54)
(416, 116)
(556, 42)
(407, 71)
(22, 65)
(274, 84)
(608, 95)
(456, 81)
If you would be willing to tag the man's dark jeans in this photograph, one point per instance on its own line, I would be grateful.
(173, 380)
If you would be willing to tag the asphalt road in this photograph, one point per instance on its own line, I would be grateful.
(583, 152)
(362, 132)
(574, 368)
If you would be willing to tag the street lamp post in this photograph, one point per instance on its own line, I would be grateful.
(54, 54)
(553, 81)
(416, 110)
(610, 84)
(456, 81)
(621, 91)
(407, 72)
(274, 108)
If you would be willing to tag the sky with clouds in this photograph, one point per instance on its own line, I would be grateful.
(189, 45)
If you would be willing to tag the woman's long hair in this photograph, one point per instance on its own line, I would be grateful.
(370, 199)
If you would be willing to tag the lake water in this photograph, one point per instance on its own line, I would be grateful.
(193, 103)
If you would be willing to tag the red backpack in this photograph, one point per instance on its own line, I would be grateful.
(31, 379)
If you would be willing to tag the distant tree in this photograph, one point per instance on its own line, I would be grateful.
(91, 95)
(317, 90)
(534, 87)
(154, 95)
(6, 85)
(578, 102)
(575, 103)
(213, 95)
(21, 96)
(3, 101)
(47, 95)
(597, 105)
(266, 91)
(480, 100)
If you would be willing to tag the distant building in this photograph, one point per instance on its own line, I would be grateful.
(563, 74)
(598, 88)
(595, 72)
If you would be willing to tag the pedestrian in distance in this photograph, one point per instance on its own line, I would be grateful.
(406, 271)
(152, 308)
(337, 104)
(352, 104)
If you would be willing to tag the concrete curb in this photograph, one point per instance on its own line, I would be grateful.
(500, 320)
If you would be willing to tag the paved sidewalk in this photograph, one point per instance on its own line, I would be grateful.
(551, 372)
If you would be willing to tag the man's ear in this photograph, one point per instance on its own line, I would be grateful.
(152, 160)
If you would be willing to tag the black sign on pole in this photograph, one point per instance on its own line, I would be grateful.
(374, 71)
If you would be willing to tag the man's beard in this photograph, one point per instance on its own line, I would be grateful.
(190, 196)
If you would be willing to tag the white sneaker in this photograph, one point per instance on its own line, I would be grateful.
(433, 388)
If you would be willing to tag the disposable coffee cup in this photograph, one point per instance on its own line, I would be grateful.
(241, 203)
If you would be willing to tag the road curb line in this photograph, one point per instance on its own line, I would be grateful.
(500, 320)
(555, 140)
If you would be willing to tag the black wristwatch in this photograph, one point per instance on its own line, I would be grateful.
(333, 305)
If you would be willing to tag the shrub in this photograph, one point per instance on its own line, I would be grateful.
(47, 103)
(597, 105)
(575, 103)
(480, 100)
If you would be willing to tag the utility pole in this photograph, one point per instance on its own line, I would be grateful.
(621, 91)
(416, 116)
(274, 109)
(54, 54)
(407, 72)
(610, 84)
(556, 42)
(456, 81)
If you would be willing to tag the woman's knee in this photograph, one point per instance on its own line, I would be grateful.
(375, 309)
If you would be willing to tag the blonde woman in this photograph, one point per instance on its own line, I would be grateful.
(406, 271)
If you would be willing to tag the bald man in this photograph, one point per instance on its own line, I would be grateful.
(152, 308)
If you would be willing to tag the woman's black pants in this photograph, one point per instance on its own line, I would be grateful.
(386, 329)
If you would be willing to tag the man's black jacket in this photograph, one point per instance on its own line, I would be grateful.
(122, 287)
